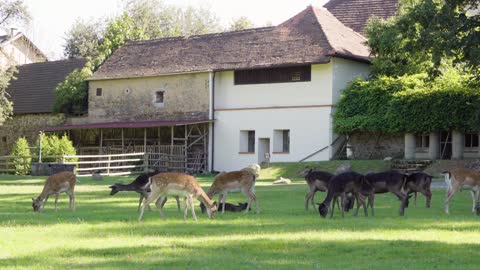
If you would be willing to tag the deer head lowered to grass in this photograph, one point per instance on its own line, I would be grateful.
(55, 184)
(179, 184)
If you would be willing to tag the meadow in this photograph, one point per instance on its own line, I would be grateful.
(103, 233)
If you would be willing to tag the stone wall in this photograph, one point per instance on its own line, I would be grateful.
(28, 126)
(186, 97)
(373, 146)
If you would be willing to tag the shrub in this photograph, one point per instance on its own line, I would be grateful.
(22, 159)
(52, 145)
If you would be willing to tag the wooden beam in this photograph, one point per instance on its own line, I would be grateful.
(123, 143)
(101, 142)
(144, 139)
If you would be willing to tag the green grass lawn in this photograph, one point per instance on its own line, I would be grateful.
(104, 233)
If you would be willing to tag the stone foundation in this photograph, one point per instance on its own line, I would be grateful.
(373, 146)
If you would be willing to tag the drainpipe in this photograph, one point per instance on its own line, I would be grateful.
(211, 117)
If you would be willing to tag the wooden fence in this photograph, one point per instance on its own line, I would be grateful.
(113, 164)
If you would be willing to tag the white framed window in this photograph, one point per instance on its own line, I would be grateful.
(471, 140)
(281, 141)
(247, 141)
(422, 141)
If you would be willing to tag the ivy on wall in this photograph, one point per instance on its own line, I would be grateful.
(409, 103)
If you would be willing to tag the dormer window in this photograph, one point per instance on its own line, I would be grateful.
(159, 96)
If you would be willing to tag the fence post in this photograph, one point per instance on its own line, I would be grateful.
(24, 165)
(145, 162)
(63, 159)
(108, 164)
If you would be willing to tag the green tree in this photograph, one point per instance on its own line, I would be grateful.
(72, 94)
(241, 24)
(22, 159)
(83, 39)
(11, 13)
(53, 147)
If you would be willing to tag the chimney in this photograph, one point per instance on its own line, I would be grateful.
(12, 31)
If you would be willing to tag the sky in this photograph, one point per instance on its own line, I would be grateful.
(51, 19)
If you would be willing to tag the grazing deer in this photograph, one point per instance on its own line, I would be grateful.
(317, 181)
(384, 182)
(55, 184)
(140, 185)
(243, 181)
(459, 178)
(178, 184)
(419, 182)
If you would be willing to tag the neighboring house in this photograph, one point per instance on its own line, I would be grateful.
(18, 49)
(240, 94)
(33, 96)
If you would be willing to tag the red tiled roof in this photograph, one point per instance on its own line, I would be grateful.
(312, 36)
(356, 13)
(135, 124)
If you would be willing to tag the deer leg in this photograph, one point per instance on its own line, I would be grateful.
(333, 206)
(185, 208)
(160, 202)
(72, 196)
(140, 202)
(428, 195)
(151, 197)
(312, 199)
(450, 194)
(254, 197)
(223, 200)
(178, 203)
(371, 202)
(56, 200)
(190, 201)
(474, 199)
(358, 206)
(342, 206)
(307, 200)
(362, 201)
(45, 202)
(415, 199)
(403, 198)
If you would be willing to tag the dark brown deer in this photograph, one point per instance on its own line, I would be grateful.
(419, 182)
(316, 181)
(339, 186)
(384, 182)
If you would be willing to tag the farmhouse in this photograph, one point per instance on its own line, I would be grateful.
(33, 96)
(226, 100)
(18, 49)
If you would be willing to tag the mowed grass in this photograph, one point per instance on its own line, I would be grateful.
(103, 233)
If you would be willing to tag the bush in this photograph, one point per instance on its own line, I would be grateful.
(52, 145)
(20, 150)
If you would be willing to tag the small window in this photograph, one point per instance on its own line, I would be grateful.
(423, 141)
(159, 96)
(4, 139)
(99, 92)
(471, 140)
(247, 141)
(281, 141)
(273, 75)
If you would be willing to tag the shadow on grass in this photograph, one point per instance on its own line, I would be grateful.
(260, 254)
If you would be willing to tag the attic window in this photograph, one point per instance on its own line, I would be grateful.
(99, 92)
(159, 96)
(273, 75)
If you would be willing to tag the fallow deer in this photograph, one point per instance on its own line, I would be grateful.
(140, 185)
(177, 184)
(243, 181)
(459, 178)
(55, 184)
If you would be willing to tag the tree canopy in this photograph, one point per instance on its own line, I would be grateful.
(97, 41)
(424, 72)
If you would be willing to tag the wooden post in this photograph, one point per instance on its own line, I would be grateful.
(185, 151)
(40, 148)
(145, 140)
(123, 143)
(108, 164)
(100, 151)
(145, 162)
(172, 134)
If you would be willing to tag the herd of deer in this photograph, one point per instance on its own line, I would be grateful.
(342, 189)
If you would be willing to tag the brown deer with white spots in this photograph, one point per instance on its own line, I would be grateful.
(177, 184)
(234, 181)
(55, 184)
(459, 178)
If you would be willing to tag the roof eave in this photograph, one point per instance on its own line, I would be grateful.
(357, 58)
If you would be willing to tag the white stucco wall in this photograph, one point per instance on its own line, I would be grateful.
(304, 108)
(309, 132)
(18, 52)
(315, 92)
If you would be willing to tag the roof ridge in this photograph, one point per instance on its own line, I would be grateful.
(265, 28)
(314, 10)
(53, 62)
(317, 10)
